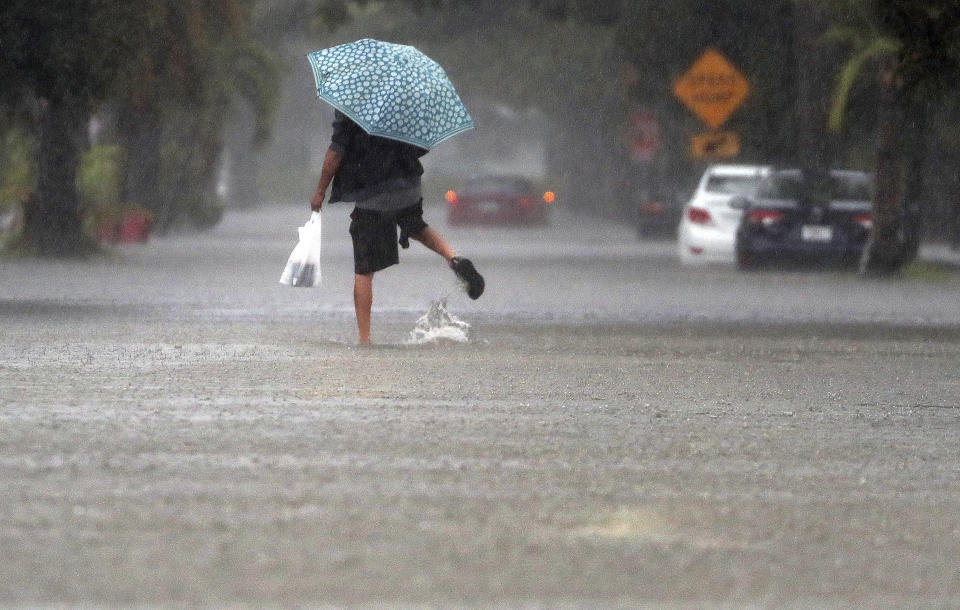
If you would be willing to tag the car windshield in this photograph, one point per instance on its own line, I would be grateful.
(844, 187)
(853, 188)
(499, 184)
(732, 185)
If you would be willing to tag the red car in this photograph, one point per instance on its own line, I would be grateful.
(501, 200)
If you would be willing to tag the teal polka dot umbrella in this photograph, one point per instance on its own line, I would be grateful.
(390, 90)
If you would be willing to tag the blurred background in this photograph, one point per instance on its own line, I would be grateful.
(120, 116)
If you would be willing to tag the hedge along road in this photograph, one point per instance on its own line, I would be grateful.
(177, 428)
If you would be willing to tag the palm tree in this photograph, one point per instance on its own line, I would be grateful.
(912, 45)
(886, 250)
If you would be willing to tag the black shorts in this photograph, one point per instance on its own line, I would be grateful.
(375, 236)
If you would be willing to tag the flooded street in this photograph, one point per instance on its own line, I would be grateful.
(176, 427)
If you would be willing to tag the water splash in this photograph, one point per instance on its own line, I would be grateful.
(438, 324)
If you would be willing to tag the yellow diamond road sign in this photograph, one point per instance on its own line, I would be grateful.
(712, 88)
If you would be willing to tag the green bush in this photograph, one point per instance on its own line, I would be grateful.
(16, 168)
(99, 186)
(99, 177)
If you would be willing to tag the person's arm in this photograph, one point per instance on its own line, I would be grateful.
(331, 164)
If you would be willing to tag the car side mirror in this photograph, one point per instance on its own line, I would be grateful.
(739, 203)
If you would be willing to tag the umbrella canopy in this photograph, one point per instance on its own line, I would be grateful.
(390, 90)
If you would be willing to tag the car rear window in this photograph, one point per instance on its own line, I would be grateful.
(781, 186)
(853, 189)
(732, 185)
(499, 184)
(842, 188)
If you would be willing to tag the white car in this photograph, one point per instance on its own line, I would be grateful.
(708, 226)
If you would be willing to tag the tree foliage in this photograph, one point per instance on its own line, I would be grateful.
(167, 71)
(58, 47)
(197, 58)
(928, 32)
(60, 59)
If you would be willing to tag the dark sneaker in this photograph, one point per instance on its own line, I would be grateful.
(468, 274)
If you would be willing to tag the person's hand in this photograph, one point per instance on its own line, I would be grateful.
(331, 164)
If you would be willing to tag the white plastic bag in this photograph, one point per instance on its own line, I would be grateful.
(303, 266)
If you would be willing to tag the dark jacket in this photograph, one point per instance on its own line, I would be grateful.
(371, 165)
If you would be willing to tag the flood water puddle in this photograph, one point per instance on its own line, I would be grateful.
(438, 324)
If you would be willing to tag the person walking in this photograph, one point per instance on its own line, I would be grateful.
(382, 177)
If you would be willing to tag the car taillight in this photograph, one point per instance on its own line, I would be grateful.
(549, 197)
(451, 197)
(864, 220)
(699, 216)
(526, 202)
(654, 208)
(764, 217)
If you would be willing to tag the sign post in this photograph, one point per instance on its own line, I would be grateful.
(643, 135)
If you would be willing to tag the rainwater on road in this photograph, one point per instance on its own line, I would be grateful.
(176, 427)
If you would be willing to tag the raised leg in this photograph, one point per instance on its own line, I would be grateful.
(431, 239)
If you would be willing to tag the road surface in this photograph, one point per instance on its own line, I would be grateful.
(176, 428)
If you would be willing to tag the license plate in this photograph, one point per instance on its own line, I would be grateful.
(816, 233)
(489, 207)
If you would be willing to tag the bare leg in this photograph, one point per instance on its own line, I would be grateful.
(362, 302)
(431, 239)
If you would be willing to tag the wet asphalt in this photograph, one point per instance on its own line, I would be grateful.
(177, 428)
